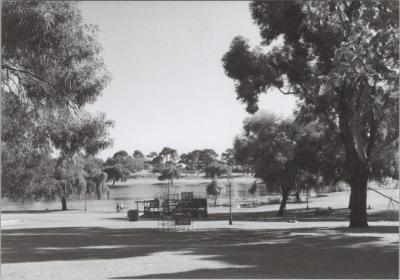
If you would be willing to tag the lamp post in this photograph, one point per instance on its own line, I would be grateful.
(307, 197)
(167, 200)
(230, 196)
(85, 195)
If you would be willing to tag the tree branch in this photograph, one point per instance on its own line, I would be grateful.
(289, 92)
(12, 68)
(372, 132)
(345, 26)
(332, 126)
(356, 123)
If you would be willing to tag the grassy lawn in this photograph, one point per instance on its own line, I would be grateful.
(104, 253)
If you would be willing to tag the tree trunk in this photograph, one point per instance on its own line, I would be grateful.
(63, 203)
(63, 196)
(357, 156)
(215, 200)
(282, 207)
(307, 197)
(357, 176)
(297, 195)
(351, 197)
(358, 197)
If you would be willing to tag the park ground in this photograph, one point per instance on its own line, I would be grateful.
(306, 244)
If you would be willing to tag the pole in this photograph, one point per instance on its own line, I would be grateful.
(85, 197)
(307, 198)
(230, 197)
(384, 195)
(168, 198)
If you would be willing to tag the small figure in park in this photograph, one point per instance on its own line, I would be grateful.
(121, 207)
(117, 206)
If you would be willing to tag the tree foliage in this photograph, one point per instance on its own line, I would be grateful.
(72, 135)
(290, 155)
(214, 189)
(120, 154)
(228, 157)
(242, 154)
(51, 68)
(115, 173)
(169, 174)
(138, 154)
(215, 170)
(121, 165)
(152, 155)
(86, 133)
(23, 172)
(168, 154)
(191, 160)
(49, 55)
(253, 188)
(157, 163)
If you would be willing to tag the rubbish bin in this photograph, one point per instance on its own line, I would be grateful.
(133, 215)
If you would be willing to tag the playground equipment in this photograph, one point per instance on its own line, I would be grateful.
(174, 212)
(175, 222)
(150, 207)
(197, 207)
(391, 200)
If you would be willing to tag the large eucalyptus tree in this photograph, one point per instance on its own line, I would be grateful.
(341, 58)
(51, 68)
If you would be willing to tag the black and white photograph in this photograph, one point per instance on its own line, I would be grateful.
(200, 139)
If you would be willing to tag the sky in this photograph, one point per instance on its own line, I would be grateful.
(168, 85)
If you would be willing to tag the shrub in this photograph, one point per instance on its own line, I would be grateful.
(133, 215)
(276, 200)
(253, 187)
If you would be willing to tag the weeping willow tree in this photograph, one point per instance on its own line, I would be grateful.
(74, 135)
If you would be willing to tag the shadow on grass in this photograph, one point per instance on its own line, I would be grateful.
(302, 215)
(313, 214)
(317, 252)
(124, 218)
(35, 211)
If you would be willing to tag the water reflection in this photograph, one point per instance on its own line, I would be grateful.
(144, 189)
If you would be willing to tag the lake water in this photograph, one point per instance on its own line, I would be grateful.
(148, 188)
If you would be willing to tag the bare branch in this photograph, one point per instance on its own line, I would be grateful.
(289, 92)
